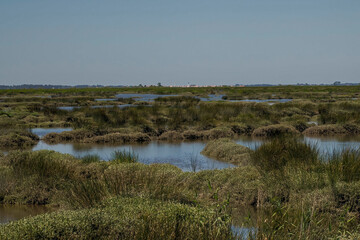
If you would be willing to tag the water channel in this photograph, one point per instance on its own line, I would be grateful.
(152, 97)
(10, 213)
(185, 155)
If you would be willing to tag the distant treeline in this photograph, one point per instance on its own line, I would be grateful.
(40, 86)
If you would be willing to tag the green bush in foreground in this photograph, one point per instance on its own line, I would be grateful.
(124, 218)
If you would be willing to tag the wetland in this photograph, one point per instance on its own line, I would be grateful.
(244, 163)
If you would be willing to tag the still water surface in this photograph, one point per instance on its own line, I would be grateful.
(325, 145)
(43, 131)
(152, 97)
(71, 108)
(10, 213)
(185, 155)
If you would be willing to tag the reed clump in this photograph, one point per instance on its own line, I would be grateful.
(171, 136)
(279, 152)
(178, 100)
(96, 136)
(241, 129)
(301, 195)
(156, 181)
(215, 133)
(45, 164)
(42, 177)
(124, 157)
(332, 130)
(91, 158)
(228, 151)
(325, 130)
(119, 138)
(275, 130)
(19, 139)
(69, 136)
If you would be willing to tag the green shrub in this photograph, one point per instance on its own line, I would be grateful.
(124, 218)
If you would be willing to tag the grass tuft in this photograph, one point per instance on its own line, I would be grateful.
(124, 157)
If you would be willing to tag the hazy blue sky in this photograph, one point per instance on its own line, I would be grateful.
(176, 42)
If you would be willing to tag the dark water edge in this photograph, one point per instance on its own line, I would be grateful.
(10, 213)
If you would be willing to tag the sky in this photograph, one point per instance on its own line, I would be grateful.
(204, 42)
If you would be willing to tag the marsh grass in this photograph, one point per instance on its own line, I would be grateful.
(299, 194)
(284, 222)
(124, 157)
(86, 193)
(343, 172)
(326, 130)
(194, 162)
(302, 195)
(91, 158)
(276, 130)
(286, 166)
(178, 100)
(344, 165)
(124, 218)
(45, 164)
(277, 153)
(14, 137)
(228, 151)
(290, 170)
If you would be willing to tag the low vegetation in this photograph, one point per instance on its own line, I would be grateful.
(227, 151)
(13, 137)
(332, 130)
(179, 117)
(297, 192)
(274, 131)
(124, 218)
